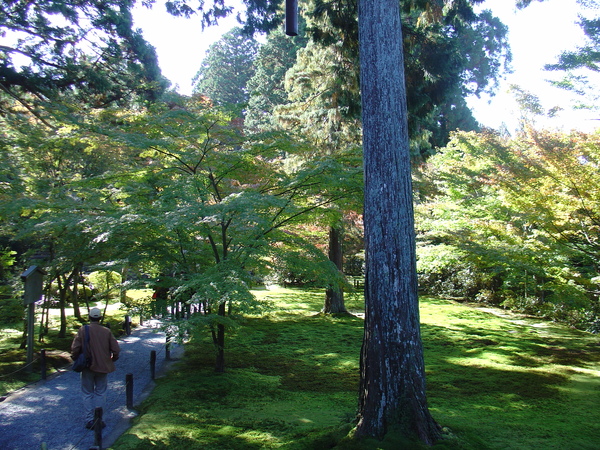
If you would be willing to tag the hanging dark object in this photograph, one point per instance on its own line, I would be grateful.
(291, 17)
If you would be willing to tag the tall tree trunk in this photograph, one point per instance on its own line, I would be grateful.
(48, 288)
(392, 385)
(45, 312)
(334, 296)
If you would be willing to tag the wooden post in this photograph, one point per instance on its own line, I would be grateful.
(168, 347)
(43, 363)
(98, 428)
(33, 279)
(152, 364)
(127, 325)
(129, 390)
(30, 333)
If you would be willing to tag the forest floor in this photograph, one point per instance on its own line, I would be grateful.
(495, 381)
(50, 412)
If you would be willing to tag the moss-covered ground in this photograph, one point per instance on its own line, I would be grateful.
(292, 383)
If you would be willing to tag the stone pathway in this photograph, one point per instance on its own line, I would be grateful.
(50, 412)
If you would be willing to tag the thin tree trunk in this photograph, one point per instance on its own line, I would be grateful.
(45, 313)
(75, 293)
(86, 299)
(220, 342)
(62, 301)
(41, 333)
(108, 287)
(123, 290)
(48, 288)
(392, 385)
(24, 335)
(334, 296)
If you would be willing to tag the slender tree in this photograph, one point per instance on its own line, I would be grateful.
(266, 88)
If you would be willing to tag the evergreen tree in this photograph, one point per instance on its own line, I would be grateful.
(226, 69)
(267, 85)
(450, 52)
(87, 48)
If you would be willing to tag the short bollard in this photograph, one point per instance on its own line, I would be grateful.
(127, 325)
(152, 364)
(43, 363)
(98, 428)
(168, 347)
(129, 390)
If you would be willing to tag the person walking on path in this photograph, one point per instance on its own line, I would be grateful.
(43, 412)
(104, 350)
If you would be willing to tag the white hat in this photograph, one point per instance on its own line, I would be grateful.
(95, 313)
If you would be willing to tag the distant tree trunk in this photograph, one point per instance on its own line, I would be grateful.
(392, 384)
(45, 312)
(334, 296)
(123, 290)
(86, 298)
(24, 335)
(75, 293)
(219, 340)
(48, 295)
(62, 302)
(108, 289)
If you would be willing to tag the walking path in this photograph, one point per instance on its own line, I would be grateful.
(50, 412)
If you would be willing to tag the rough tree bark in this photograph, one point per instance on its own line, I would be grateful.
(334, 296)
(392, 386)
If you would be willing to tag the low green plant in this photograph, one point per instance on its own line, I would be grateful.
(11, 310)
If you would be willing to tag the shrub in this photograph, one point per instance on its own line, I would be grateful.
(104, 281)
(11, 310)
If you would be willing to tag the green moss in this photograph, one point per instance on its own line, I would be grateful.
(292, 383)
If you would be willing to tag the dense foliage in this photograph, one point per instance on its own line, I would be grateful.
(515, 222)
(199, 198)
(226, 69)
(450, 50)
(86, 48)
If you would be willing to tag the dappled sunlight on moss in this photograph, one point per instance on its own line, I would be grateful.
(291, 382)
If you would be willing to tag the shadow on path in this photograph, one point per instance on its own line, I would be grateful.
(51, 411)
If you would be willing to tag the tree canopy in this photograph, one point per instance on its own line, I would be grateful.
(88, 49)
(581, 66)
(513, 222)
(226, 69)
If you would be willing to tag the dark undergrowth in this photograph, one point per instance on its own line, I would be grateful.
(292, 383)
